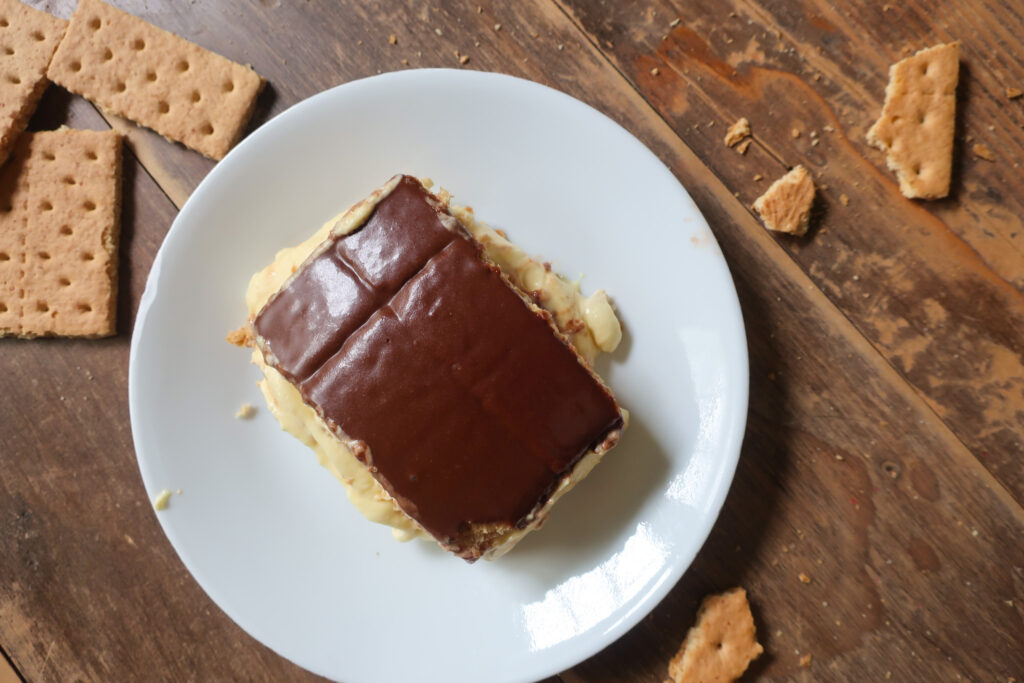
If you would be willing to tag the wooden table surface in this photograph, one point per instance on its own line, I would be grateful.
(884, 455)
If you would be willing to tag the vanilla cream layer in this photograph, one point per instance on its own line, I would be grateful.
(589, 322)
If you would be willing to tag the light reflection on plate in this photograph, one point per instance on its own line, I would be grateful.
(583, 601)
(269, 534)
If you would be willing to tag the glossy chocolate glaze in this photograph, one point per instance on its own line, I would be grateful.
(403, 338)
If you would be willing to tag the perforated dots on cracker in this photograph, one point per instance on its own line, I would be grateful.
(916, 126)
(134, 69)
(721, 645)
(28, 38)
(60, 207)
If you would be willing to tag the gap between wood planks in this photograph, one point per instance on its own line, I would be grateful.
(130, 149)
(1000, 489)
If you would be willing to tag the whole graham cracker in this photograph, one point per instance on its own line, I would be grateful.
(60, 207)
(786, 205)
(28, 38)
(916, 126)
(721, 645)
(134, 69)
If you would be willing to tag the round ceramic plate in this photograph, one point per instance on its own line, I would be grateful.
(271, 536)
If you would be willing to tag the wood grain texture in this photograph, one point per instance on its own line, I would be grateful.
(849, 473)
(938, 287)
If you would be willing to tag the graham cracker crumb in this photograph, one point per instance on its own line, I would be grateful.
(742, 147)
(721, 645)
(246, 412)
(915, 128)
(736, 132)
(795, 133)
(1013, 93)
(786, 205)
(805, 661)
(655, 71)
(844, 200)
(804, 578)
(392, 39)
(241, 337)
(983, 152)
(758, 177)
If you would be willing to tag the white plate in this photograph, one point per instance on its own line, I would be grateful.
(270, 535)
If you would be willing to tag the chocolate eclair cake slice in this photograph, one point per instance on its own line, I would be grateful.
(458, 394)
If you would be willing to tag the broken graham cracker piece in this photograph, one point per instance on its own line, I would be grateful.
(786, 205)
(983, 151)
(60, 207)
(916, 126)
(28, 38)
(721, 645)
(134, 69)
(737, 132)
(241, 337)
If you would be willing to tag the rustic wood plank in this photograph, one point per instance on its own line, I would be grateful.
(936, 286)
(819, 389)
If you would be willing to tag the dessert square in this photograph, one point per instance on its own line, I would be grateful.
(462, 399)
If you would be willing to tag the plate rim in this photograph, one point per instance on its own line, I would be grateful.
(734, 429)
